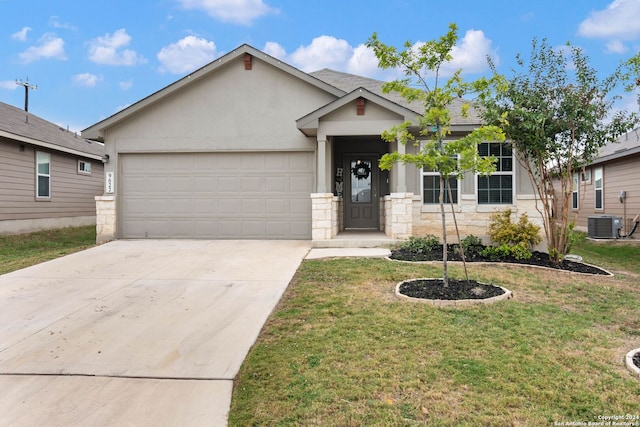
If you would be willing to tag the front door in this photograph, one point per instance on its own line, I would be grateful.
(361, 192)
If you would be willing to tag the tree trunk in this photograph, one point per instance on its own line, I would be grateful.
(445, 276)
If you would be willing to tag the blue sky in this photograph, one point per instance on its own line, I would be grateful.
(91, 59)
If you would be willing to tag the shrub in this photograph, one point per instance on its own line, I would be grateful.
(472, 246)
(496, 253)
(504, 232)
(504, 251)
(421, 245)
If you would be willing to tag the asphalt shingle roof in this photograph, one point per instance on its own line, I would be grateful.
(350, 82)
(20, 124)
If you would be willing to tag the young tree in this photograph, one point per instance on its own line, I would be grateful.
(558, 115)
(422, 65)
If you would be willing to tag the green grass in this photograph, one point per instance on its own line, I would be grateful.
(341, 349)
(24, 250)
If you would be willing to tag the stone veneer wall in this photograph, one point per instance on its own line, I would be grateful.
(105, 219)
(398, 213)
(472, 219)
(325, 209)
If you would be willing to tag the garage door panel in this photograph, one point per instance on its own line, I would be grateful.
(216, 195)
(253, 184)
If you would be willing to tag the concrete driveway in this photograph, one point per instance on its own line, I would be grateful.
(136, 333)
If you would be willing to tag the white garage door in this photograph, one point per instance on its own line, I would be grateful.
(216, 195)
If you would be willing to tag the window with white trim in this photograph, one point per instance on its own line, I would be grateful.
(598, 188)
(496, 188)
(575, 194)
(84, 167)
(43, 175)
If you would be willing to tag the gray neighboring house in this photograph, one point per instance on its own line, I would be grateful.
(248, 147)
(49, 177)
(596, 190)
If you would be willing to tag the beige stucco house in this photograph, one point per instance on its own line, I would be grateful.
(49, 177)
(248, 147)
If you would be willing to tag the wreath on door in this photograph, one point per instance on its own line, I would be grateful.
(361, 170)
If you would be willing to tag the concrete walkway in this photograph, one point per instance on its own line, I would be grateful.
(137, 333)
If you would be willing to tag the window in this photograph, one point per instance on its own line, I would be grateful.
(575, 193)
(498, 187)
(585, 176)
(84, 167)
(43, 175)
(597, 186)
(431, 188)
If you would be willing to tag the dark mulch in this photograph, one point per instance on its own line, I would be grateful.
(538, 258)
(636, 359)
(457, 289)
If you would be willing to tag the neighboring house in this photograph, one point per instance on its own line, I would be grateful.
(248, 147)
(597, 190)
(49, 177)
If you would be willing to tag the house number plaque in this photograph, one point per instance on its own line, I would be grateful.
(109, 183)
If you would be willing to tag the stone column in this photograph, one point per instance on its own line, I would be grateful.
(399, 215)
(323, 217)
(105, 219)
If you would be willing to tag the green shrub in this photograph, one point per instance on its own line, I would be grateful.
(472, 246)
(504, 232)
(496, 253)
(504, 251)
(421, 245)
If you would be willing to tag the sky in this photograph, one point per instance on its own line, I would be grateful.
(90, 60)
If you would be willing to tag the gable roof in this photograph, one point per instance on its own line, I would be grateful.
(627, 145)
(349, 82)
(309, 123)
(96, 131)
(19, 125)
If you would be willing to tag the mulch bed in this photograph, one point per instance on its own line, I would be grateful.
(457, 290)
(540, 259)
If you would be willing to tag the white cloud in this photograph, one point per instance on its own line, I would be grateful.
(50, 47)
(53, 21)
(22, 34)
(242, 12)
(615, 46)
(86, 80)
(323, 52)
(186, 55)
(363, 62)
(470, 54)
(275, 50)
(8, 84)
(126, 85)
(620, 20)
(111, 50)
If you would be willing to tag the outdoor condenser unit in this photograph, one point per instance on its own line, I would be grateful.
(604, 226)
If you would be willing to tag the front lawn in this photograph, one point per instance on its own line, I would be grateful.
(23, 250)
(341, 349)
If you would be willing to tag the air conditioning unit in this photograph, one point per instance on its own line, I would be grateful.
(604, 227)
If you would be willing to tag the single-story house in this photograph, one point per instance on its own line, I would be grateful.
(49, 176)
(249, 147)
(610, 186)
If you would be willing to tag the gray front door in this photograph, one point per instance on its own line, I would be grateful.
(361, 192)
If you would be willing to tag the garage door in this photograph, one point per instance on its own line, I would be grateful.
(216, 195)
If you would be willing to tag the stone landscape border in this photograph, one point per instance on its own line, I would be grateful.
(453, 303)
(484, 263)
(629, 362)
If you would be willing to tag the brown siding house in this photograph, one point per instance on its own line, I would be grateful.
(616, 170)
(49, 177)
